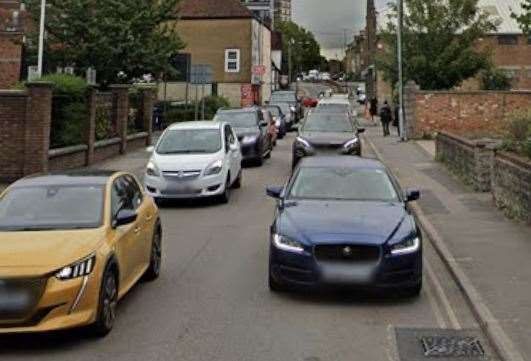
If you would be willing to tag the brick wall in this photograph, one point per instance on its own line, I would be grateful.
(11, 34)
(507, 176)
(460, 112)
(12, 123)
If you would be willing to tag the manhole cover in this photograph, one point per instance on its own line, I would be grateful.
(438, 346)
(418, 344)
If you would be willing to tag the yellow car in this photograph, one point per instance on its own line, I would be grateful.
(71, 246)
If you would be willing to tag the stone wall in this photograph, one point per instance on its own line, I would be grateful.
(460, 112)
(478, 163)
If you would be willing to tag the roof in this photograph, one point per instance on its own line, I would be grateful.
(500, 10)
(213, 9)
(92, 177)
(341, 161)
(201, 124)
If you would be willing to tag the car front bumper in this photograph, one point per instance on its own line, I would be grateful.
(174, 188)
(302, 270)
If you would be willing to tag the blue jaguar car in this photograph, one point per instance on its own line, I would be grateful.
(344, 222)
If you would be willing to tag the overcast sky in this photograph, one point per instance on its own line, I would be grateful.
(328, 19)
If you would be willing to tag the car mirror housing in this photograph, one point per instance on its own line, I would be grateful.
(274, 192)
(124, 216)
(412, 195)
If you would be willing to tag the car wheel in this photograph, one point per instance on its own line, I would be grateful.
(108, 302)
(275, 286)
(225, 196)
(238, 182)
(155, 261)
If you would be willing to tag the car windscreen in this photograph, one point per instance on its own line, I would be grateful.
(52, 207)
(181, 141)
(238, 119)
(283, 98)
(341, 183)
(284, 106)
(323, 122)
(333, 108)
(274, 111)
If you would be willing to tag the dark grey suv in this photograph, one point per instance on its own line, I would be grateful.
(327, 134)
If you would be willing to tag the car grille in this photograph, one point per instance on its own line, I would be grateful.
(182, 174)
(347, 253)
(19, 298)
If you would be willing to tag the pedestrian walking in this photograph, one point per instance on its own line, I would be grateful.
(396, 119)
(386, 117)
(373, 108)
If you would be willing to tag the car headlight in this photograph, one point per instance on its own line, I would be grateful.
(79, 269)
(249, 139)
(293, 109)
(353, 143)
(407, 246)
(287, 244)
(303, 142)
(214, 168)
(152, 170)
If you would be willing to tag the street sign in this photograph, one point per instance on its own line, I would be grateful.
(259, 70)
(201, 74)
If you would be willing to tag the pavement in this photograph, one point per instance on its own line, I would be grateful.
(487, 252)
(212, 300)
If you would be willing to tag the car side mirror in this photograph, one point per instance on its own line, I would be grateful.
(124, 216)
(361, 130)
(412, 195)
(233, 147)
(150, 149)
(274, 192)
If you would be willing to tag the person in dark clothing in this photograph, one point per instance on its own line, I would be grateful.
(373, 108)
(386, 117)
(396, 119)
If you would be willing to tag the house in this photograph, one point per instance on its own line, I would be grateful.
(276, 59)
(11, 37)
(225, 35)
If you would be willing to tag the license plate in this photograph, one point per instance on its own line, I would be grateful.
(335, 273)
(180, 188)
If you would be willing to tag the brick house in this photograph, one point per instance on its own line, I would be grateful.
(226, 35)
(11, 36)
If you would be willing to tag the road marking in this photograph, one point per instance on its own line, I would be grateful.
(454, 322)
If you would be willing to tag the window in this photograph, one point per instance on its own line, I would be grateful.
(232, 60)
(125, 194)
(507, 39)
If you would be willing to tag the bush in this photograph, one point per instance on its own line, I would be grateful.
(495, 79)
(76, 118)
(183, 113)
(70, 85)
(518, 132)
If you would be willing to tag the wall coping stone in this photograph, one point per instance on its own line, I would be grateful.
(13, 93)
(462, 140)
(138, 135)
(57, 152)
(40, 84)
(515, 158)
(120, 86)
(106, 142)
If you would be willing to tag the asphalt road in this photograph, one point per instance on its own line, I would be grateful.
(212, 301)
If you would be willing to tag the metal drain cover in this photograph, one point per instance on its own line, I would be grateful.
(441, 345)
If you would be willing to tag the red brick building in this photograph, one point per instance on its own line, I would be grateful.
(11, 36)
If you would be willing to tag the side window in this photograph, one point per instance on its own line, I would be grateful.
(118, 196)
(226, 133)
(230, 134)
(133, 191)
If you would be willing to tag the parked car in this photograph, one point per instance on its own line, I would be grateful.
(344, 222)
(272, 127)
(193, 160)
(309, 102)
(326, 134)
(280, 119)
(73, 244)
(288, 112)
(251, 129)
(290, 97)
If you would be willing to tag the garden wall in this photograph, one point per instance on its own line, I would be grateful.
(506, 175)
(459, 112)
(25, 121)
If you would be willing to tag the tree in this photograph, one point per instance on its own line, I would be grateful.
(494, 79)
(439, 39)
(524, 18)
(121, 39)
(305, 50)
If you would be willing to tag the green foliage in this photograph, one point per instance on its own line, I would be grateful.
(127, 37)
(68, 85)
(494, 79)
(305, 50)
(439, 40)
(212, 104)
(183, 113)
(75, 118)
(524, 18)
(104, 129)
(518, 132)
